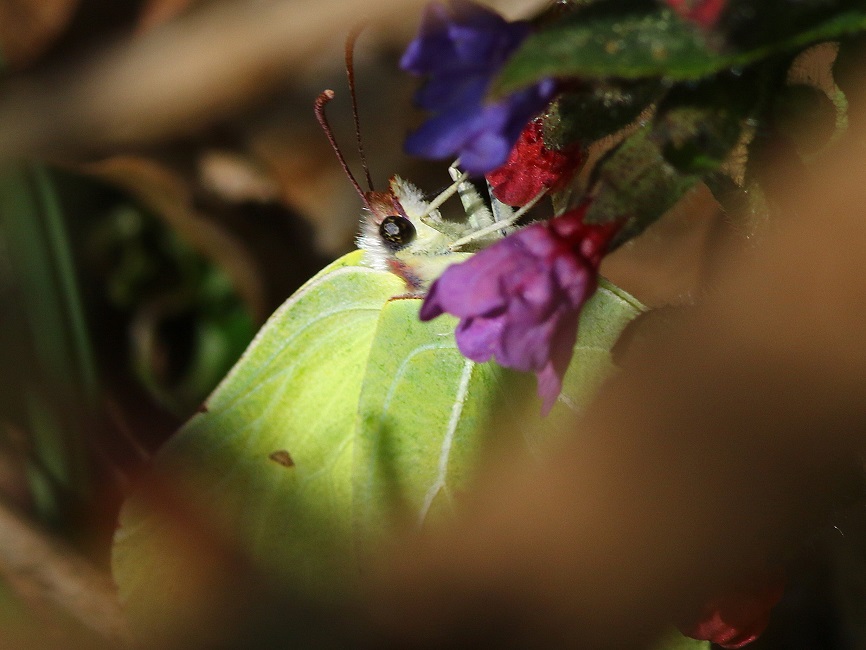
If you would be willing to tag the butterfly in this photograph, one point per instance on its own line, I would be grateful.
(403, 233)
(346, 414)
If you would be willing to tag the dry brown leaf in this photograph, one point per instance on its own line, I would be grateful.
(28, 27)
(234, 178)
(190, 72)
(157, 12)
(50, 573)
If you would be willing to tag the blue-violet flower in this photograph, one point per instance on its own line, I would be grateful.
(519, 300)
(460, 49)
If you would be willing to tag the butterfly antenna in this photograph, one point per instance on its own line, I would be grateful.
(321, 101)
(350, 73)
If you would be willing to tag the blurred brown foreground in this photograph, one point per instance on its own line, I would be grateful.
(705, 455)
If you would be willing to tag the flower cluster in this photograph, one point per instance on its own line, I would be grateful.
(532, 167)
(519, 300)
(459, 49)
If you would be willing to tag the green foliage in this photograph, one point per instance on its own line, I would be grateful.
(635, 182)
(44, 337)
(188, 325)
(796, 104)
(697, 125)
(610, 40)
(345, 416)
(591, 112)
(693, 132)
(644, 40)
(684, 97)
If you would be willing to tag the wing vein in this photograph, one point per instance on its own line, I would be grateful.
(448, 440)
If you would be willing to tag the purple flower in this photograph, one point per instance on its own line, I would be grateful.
(460, 50)
(519, 300)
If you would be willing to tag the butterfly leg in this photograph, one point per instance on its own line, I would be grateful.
(448, 192)
(477, 213)
(500, 225)
(501, 211)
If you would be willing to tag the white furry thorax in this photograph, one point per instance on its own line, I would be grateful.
(430, 252)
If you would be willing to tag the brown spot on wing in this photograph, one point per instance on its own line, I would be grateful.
(282, 457)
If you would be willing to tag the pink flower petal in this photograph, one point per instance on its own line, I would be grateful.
(519, 300)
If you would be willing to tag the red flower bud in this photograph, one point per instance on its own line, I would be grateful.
(739, 616)
(703, 12)
(532, 167)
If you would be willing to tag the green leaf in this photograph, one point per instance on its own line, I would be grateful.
(635, 182)
(345, 416)
(44, 336)
(593, 112)
(646, 42)
(698, 124)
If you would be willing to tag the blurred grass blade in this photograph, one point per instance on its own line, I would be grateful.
(52, 387)
(67, 294)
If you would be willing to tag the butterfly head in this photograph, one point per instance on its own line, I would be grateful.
(402, 234)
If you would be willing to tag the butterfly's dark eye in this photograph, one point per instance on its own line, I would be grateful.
(396, 231)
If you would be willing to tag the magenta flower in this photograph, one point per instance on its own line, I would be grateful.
(460, 50)
(519, 300)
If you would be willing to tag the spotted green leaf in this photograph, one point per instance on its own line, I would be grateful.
(648, 41)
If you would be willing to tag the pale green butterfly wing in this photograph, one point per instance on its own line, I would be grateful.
(673, 640)
(344, 414)
(422, 414)
(269, 461)
(602, 320)
(378, 413)
(425, 410)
